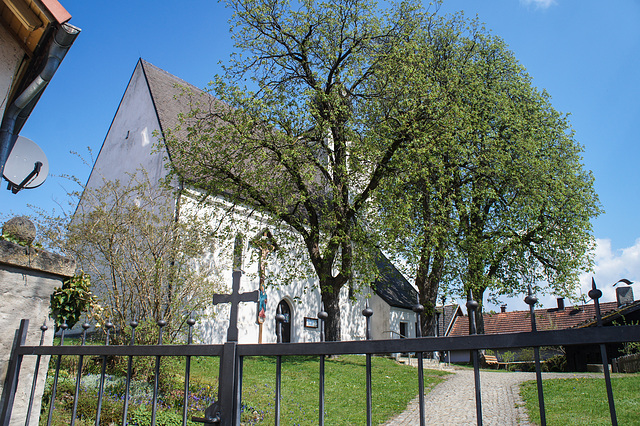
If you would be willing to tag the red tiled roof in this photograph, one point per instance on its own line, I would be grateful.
(546, 319)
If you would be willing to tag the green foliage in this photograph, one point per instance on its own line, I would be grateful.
(71, 300)
(8, 237)
(557, 363)
(306, 143)
(144, 265)
(141, 416)
(631, 348)
(492, 195)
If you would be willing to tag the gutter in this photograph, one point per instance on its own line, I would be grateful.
(20, 109)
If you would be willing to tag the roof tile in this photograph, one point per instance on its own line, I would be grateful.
(546, 319)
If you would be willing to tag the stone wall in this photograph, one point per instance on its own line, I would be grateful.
(28, 276)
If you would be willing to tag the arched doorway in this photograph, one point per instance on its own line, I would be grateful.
(285, 309)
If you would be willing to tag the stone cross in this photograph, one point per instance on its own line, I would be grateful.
(235, 297)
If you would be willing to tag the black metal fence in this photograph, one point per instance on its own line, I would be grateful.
(226, 409)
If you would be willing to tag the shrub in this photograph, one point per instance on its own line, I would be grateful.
(141, 416)
(71, 300)
(557, 363)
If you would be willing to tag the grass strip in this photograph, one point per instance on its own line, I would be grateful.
(583, 401)
(394, 386)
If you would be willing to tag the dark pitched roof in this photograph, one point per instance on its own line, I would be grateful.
(622, 315)
(392, 286)
(172, 97)
(448, 313)
(546, 319)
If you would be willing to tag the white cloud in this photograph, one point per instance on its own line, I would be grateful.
(539, 4)
(610, 266)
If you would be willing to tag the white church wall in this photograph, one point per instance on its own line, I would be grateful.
(301, 295)
(353, 324)
(398, 315)
(130, 142)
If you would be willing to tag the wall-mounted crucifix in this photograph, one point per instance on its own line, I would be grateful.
(235, 297)
(265, 243)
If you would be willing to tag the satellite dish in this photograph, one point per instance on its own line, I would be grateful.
(27, 166)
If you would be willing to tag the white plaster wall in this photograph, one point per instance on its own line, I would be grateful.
(353, 323)
(302, 295)
(130, 143)
(381, 319)
(10, 58)
(398, 315)
(303, 299)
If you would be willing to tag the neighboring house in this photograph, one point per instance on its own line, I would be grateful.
(34, 38)
(626, 312)
(559, 318)
(149, 108)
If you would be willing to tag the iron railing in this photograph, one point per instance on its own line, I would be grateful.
(226, 409)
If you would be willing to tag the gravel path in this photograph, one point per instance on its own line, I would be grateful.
(452, 402)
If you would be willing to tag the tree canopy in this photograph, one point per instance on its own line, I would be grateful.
(495, 196)
(310, 138)
(340, 122)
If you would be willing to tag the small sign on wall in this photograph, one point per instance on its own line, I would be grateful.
(310, 322)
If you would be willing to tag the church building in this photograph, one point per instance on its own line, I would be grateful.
(150, 106)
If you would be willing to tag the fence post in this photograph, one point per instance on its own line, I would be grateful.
(43, 329)
(472, 305)
(279, 320)
(54, 387)
(419, 309)
(11, 381)
(367, 312)
(596, 294)
(107, 327)
(133, 324)
(322, 315)
(531, 300)
(187, 373)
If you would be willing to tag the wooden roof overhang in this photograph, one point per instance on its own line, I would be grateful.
(31, 23)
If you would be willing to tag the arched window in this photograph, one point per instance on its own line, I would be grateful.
(285, 309)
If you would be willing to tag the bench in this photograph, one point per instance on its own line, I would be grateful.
(491, 360)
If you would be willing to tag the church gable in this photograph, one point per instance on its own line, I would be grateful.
(131, 142)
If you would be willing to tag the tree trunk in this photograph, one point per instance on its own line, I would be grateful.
(427, 281)
(478, 295)
(331, 300)
(428, 294)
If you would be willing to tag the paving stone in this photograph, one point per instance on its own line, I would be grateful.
(452, 402)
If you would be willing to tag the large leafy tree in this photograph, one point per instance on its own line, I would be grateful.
(496, 194)
(413, 210)
(313, 135)
(523, 199)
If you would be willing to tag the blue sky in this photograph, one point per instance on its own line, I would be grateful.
(585, 53)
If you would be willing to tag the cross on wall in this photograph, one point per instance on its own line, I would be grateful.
(235, 297)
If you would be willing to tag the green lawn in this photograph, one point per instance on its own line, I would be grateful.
(583, 401)
(345, 394)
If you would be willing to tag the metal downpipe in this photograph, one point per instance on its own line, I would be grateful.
(64, 38)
